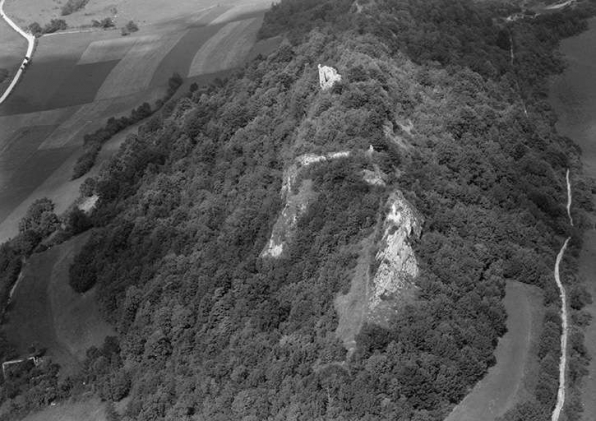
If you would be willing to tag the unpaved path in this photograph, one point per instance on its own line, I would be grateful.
(28, 55)
(564, 317)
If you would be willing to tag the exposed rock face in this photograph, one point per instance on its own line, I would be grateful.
(328, 76)
(397, 263)
(296, 203)
(283, 230)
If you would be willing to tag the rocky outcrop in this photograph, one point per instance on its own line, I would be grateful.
(397, 264)
(327, 77)
(296, 203)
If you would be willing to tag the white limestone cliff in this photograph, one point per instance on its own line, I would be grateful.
(295, 203)
(397, 263)
(327, 77)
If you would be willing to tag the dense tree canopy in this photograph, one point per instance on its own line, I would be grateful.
(208, 329)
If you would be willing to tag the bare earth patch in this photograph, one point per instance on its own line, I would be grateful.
(506, 383)
(91, 410)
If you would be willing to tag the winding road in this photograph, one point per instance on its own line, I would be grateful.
(564, 316)
(30, 45)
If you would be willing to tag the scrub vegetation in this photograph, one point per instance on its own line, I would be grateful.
(208, 329)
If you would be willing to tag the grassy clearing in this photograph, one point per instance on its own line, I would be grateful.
(587, 269)
(508, 382)
(352, 307)
(90, 410)
(226, 49)
(46, 312)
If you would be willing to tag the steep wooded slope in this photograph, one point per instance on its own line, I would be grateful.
(209, 328)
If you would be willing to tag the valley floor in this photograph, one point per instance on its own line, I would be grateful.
(507, 381)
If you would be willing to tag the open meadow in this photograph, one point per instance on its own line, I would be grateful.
(46, 313)
(509, 381)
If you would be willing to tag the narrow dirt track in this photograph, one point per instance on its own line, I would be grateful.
(564, 316)
(30, 45)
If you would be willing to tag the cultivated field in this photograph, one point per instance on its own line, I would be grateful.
(226, 49)
(78, 80)
(508, 382)
(144, 12)
(47, 313)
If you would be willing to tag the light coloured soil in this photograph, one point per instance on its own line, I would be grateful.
(90, 410)
(110, 49)
(226, 49)
(509, 380)
(352, 307)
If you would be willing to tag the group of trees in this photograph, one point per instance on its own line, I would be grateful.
(92, 142)
(72, 6)
(54, 26)
(209, 329)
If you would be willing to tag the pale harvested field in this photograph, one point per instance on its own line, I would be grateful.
(508, 381)
(242, 9)
(144, 12)
(91, 410)
(226, 49)
(107, 50)
(134, 72)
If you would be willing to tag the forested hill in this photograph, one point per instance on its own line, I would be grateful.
(209, 328)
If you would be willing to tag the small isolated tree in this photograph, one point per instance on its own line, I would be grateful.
(129, 28)
(36, 29)
(55, 25)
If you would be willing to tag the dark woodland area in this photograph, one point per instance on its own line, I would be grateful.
(210, 330)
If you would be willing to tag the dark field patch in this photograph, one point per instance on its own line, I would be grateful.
(27, 176)
(38, 84)
(81, 85)
(180, 57)
(21, 145)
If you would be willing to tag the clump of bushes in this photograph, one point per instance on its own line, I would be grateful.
(105, 23)
(129, 28)
(55, 25)
(72, 6)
